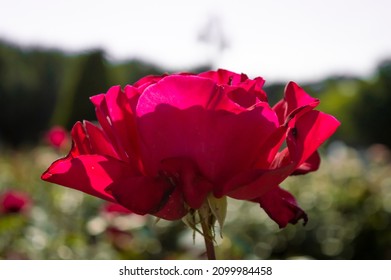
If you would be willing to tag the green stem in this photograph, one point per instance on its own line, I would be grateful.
(208, 238)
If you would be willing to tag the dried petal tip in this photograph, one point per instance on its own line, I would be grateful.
(281, 207)
(300, 214)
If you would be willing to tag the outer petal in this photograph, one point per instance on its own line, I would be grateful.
(183, 173)
(146, 81)
(90, 166)
(254, 183)
(91, 174)
(224, 77)
(174, 208)
(142, 195)
(310, 131)
(132, 95)
(281, 206)
(295, 101)
(88, 139)
(80, 142)
(115, 115)
(183, 92)
(238, 87)
(311, 164)
(98, 141)
(220, 143)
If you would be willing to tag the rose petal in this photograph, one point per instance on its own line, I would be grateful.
(146, 81)
(91, 174)
(310, 131)
(251, 184)
(174, 208)
(220, 143)
(224, 77)
(89, 139)
(114, 113)
(282, 207)
(186, 176)
(183, 92)
(132, 95)
(98, 141)
(295, 101)
(311, 164)
(141, 195)
(80, 142)
(238, 87)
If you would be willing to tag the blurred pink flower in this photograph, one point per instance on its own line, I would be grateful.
(57, 137)
(14, 202)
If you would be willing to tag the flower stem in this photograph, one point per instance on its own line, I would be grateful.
(208, 238)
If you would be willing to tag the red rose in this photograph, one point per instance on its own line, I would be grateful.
(14, 202)
(57, 137)
(166, 143)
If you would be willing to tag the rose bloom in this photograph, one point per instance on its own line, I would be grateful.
(57, 137)
(12, 201)
(166, 143)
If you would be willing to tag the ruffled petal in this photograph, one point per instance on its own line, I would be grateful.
(310, 165)
(238, 87)
(183, 92)
(251, 184)
(220, 143)
(185, 175)
(91, 174)
(146, 81)
(98, 141)
(132, 95)
(225, 77)
(115, 115)
(80, 142)
(87, 139)
(296, 101)
(141, 195)
(282, 207)
(174, 208)
(309, 132)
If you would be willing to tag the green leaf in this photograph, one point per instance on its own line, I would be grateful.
(191, 221)
(218, 207)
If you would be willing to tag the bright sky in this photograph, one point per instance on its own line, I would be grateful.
(279, 40)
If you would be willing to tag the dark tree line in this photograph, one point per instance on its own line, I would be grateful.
(40, 88)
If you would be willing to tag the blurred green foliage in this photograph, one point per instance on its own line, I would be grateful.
(41, 88)
(28, 83)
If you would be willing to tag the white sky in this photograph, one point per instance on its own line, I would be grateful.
(279, 40)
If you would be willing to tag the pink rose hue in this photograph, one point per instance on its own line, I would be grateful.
(57, 137)
(167, 142)
(14, 202)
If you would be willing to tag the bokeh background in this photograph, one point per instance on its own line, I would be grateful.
(54, 55)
